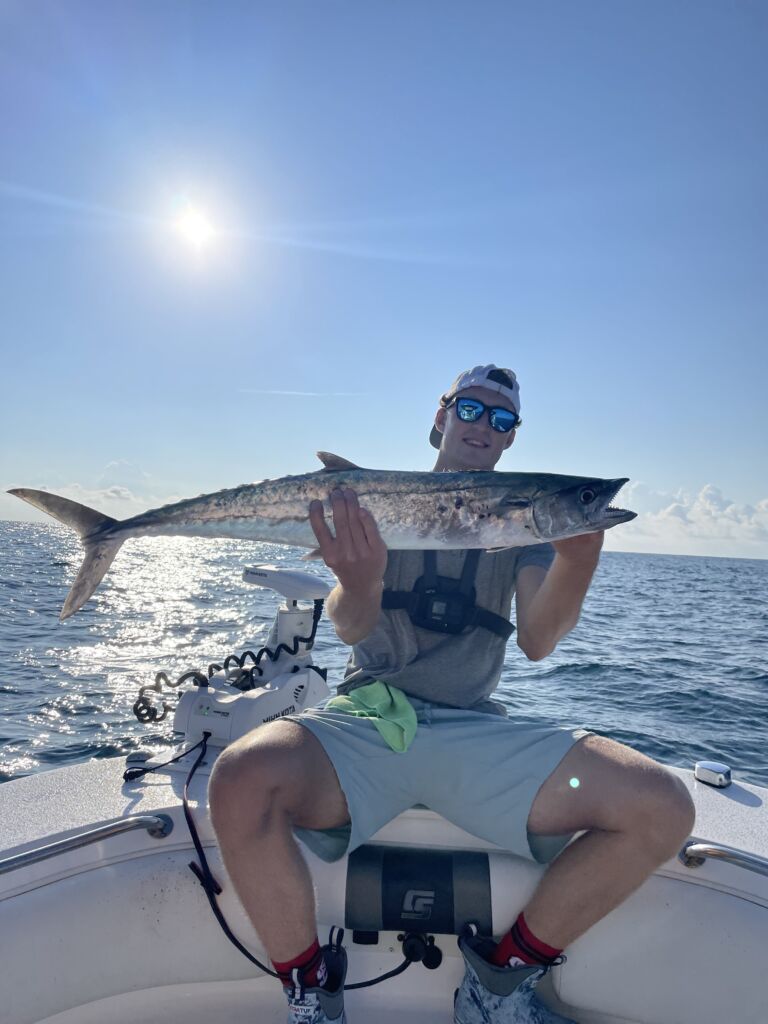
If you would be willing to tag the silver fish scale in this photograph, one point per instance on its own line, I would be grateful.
(412, 510)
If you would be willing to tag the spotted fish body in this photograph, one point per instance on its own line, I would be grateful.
(412, 510)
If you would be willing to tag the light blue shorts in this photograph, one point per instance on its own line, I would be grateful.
(480, 771)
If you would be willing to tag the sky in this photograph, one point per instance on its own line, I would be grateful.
(233, 234)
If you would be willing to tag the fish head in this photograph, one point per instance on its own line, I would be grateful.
(580, 507)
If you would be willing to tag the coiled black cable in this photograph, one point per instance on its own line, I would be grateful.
(145, 711)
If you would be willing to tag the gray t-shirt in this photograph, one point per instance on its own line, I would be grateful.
(461, 670)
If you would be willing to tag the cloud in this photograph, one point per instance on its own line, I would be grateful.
(706, 523)
(115, 501)
(122, 473)
(121, 491)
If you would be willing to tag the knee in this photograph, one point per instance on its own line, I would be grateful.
(242, 790)
(686, 808)
(673, 814)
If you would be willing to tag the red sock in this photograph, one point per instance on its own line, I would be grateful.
(311, 960)
(521, 942)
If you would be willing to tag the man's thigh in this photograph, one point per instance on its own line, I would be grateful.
(602, 784)
(284, 759)
(486, 771)
(377, 782)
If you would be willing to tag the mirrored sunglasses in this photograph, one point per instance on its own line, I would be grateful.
(469, 410)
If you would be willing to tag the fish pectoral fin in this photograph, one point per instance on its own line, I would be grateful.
(314, 553)
(333, 462)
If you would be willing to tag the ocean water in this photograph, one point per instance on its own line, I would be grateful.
(670, 656)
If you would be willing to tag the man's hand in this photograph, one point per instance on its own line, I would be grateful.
(356, 555)
(583, 550)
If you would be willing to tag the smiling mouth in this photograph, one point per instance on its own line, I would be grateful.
(474, 443)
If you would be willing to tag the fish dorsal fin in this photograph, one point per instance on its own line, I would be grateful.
(333, 462)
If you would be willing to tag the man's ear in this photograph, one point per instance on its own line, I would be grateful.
(440, 419)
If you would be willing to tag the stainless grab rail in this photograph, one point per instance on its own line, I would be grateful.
(157, 825)
(695, 853)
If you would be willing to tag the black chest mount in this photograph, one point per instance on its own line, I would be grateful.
(444, 604)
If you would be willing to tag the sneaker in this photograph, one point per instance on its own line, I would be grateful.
(499, 995)
(323, 1004)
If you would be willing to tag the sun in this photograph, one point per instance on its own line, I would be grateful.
(195, 228)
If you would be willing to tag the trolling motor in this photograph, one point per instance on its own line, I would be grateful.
(244, 692)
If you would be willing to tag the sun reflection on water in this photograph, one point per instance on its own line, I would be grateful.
(644, 665)
(169, 604)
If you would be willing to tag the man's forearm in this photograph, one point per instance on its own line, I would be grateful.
(556, 607)
(354, 613)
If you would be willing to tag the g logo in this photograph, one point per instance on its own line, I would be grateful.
(418, 903)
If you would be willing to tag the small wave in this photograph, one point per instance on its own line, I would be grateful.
(644, 665)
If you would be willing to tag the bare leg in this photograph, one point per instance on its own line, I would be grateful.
(590, 878)
(263, 784)
(639, 815)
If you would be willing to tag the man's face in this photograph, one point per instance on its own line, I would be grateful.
(472, 445)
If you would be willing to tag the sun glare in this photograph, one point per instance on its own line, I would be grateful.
(194, 226)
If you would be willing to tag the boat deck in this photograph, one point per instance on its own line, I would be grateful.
(126, 933)
(417, 1001)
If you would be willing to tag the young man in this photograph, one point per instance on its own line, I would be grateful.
(334, 778)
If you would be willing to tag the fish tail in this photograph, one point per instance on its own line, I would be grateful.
(99, 551)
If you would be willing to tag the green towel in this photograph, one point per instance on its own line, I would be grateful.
(391, 711)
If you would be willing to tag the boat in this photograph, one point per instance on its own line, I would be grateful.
(115, 905)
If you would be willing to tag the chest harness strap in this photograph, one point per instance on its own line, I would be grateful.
(444, 604)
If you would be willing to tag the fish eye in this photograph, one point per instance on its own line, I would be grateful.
(587, 496)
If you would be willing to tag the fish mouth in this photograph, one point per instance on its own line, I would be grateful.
(609, 513)
(583, 507)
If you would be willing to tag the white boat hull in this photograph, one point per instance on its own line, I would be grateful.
(121, 930)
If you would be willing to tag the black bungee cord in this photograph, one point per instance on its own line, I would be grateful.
(211, 887)
(145, 711)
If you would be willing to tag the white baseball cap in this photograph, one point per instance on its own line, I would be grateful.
(491, 377)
